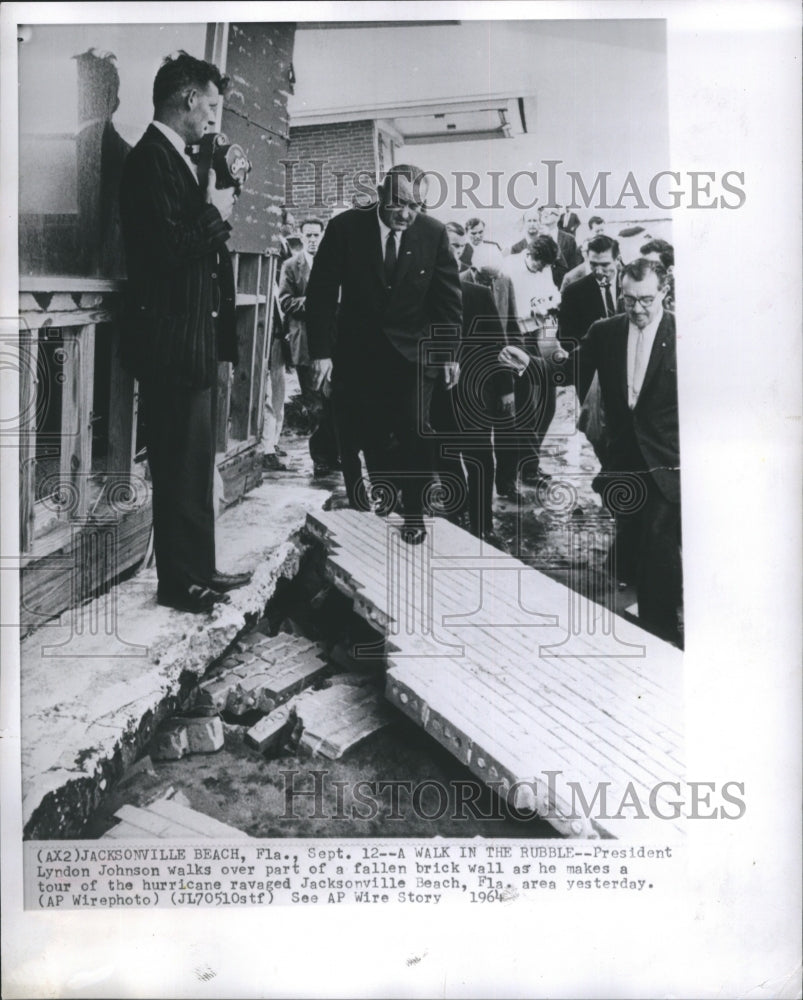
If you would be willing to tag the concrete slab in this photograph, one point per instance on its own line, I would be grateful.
(166, 819)
(512, 672)
(96, 683)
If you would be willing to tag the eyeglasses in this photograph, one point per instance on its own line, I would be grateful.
(643, 300)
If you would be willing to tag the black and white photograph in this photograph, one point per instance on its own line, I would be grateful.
(356, 591)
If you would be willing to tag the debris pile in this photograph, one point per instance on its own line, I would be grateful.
(287, 682)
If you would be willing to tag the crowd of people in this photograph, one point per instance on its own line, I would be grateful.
(526, 315)
(428, 356)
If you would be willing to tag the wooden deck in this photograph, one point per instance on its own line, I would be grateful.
(518, 675)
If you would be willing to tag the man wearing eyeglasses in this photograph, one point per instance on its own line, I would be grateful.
(384, 279)
(634, 358)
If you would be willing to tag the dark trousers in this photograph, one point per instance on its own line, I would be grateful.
(323, 447)
(383, 409)
(649, 549)
(456, 439)
(518, 450)
(179, 435)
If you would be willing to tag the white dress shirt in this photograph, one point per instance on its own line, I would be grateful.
(531, 285)
(638, 356)
(383, 233)
(612, 287)
(179, 145)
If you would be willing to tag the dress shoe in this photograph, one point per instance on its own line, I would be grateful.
(271, 463)
(229, 581)
(320, 470)
(413, 532)
(195, 599)
(281, 452)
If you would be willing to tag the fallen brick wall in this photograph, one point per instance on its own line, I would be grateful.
(66, 776)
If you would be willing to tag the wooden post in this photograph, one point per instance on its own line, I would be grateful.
(270, 290)
(29, 381)
(122, 412)
(224, 380)
(76, 426)
(254, 335)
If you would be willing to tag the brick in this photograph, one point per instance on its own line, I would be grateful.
(269, 731)
(216, 692)
(286, 665)
(171, 742)
(205, 735)
(335, 719)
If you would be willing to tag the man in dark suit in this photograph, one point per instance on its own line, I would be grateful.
(292, 299)
(537, 298)
(569, 221)
(475, 231)
(465, 417)
(458, 240)
(596, 296)
(178, 323)
(634, 357)
(397, 280)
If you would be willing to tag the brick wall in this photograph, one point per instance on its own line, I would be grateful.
(258, 61)
(318, 154)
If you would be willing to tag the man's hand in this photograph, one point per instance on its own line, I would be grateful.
(451, 374)
(322, 373)
(507, 404)
(223, 200)
(515, 358)
(559, 355)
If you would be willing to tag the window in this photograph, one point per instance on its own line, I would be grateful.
(85, 99)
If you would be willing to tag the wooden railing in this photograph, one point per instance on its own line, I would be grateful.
(82, 463)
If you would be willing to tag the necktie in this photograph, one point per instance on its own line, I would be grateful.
(390, 259)
(610, 309)
(638, 369)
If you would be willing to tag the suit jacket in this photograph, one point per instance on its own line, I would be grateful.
(503, 294)
(567, 249)
(647, 436)
(179, 301)
(569, 222)
(581, 305)
(576, 273)
(425, 292)
(289, 246)
(484, 336)
(292, 295)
